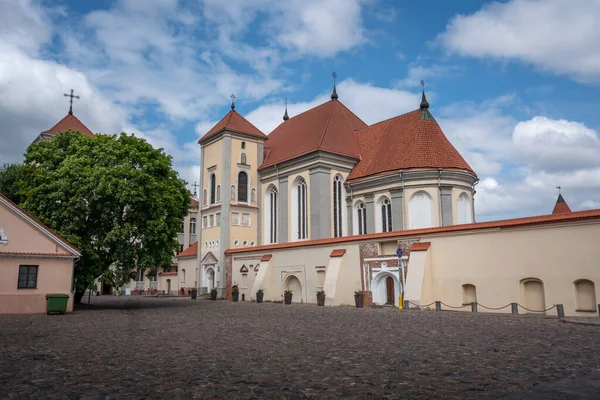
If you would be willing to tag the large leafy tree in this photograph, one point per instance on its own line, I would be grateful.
(115, 197)
(10, 176)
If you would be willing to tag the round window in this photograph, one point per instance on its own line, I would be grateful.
(236, 243)
(245, 243)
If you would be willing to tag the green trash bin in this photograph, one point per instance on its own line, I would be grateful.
(56, 303)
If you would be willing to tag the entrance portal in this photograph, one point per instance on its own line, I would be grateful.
(106, 289)
(292, 283)
(389, 284)
(168, 286)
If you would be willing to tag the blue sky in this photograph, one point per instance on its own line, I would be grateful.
(513, 84)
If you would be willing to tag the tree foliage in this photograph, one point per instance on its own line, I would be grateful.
(114, 197)
(10, 176)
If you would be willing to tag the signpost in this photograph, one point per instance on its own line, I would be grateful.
(401, 273)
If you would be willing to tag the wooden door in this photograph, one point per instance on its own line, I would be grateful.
(389, 283)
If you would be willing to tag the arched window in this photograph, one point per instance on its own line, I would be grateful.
(337, 207)
(253, 195)
(299, 210)
(360, 220)
(271, 215)
(218, 193)
(213, 188)
(384, 215)
(243, 158)
(233, 192)
(140, 275)
(532, 295)
(469, 294)
(192, 226)
(585, 295)
(243, 145)
(420, 211)
(242, 195)
(465, 215)
(205, 197)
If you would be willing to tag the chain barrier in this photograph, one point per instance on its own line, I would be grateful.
(456, 308)
(420, 305)
(493, 308)
(482, 306)
(536, 311)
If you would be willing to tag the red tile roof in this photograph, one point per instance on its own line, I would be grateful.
(195, 202)
(70, 122)
(338, 253)
(190, 251)
(53, 235)
(35, 254)
(233, 122)
(405, 142)
(506, 223)
(420, 246)
(266, 257)
(561, 206)
(329, 127)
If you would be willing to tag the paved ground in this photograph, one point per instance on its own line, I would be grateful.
(179, 348)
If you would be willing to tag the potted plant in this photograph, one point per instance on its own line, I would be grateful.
(320, 297)
(235, 293)
(194, 293)
(259, 295)
(213, 294)
(359, 297)
(287, 295)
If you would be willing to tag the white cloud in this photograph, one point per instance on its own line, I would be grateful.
(24, 24)
(560, 36)
(417, 73)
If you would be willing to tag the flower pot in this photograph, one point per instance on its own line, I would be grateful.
(235, 296)
(259, 297)
(194, 294)
(358, 300)
(321, 299)
(288, 298)
(213, 294)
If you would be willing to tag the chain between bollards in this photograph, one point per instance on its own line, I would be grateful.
(560, 311)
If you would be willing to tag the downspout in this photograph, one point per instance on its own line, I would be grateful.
(440, 196)
(402, 205)
(473, 199)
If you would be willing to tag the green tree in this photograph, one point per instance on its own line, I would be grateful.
(114, 197)
(10, 176)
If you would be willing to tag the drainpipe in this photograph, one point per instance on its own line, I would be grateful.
(440, 195)
(473, 200)
(402, 205)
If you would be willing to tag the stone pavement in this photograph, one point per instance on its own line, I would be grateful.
(140, 348)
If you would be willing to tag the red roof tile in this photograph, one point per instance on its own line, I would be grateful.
(190, 251)
(266, 257)
(36, 254)
(70, 122)
(62, 241)
(338, 253)
(195, 202)
(561, 206)
(405, 142)
(506, 223)
(233, 122)
(420, 246)
(329, 127)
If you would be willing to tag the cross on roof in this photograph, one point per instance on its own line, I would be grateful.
(195, 186)
(233, 101)
(559, 187)
(72, 96)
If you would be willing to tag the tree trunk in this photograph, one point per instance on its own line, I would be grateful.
(78, 296)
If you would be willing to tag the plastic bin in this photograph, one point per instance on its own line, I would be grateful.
(56, 303)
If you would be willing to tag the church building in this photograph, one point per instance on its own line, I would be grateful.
(327, 202)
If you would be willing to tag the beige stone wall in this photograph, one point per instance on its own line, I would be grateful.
(54, 276)
(244, 233)
(187, 280)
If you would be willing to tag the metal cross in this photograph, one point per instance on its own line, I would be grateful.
(334, 76)
(233, 101)
(195, 186)
(72, 96)
(558, 187)
(423, 84)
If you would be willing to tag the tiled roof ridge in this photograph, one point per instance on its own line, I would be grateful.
(87, 130)
(387, 120)
(506, 223)
(57, 237)
(303, 112)
(190, 251)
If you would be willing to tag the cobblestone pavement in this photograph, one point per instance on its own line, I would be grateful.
(179, 348)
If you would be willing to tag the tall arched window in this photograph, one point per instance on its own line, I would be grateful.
(192, 226)
(337, 206)
(585, 295)
(242, 187)
(205, 197)
(271, 215)
(140, 275)
(299, 210)
(420, 211)
(213, 188)
(243, 158)
(243, 145)
(384, 215)
(465, 215)
(218, 193)
(360, 226)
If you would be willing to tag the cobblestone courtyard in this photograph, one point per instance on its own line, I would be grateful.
(179, 348)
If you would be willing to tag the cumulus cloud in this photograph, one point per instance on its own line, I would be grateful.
(559, 36)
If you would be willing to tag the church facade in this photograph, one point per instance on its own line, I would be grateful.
(327, 202)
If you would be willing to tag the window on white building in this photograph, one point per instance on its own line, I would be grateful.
(242, 195)
(213, 188)
(338, 219)
(270, 213)
(465, 215)
(360, 226)
(420, 211)
(299, 210)
(384, 215)
(192, 226)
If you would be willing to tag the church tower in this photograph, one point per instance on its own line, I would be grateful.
(229, 203)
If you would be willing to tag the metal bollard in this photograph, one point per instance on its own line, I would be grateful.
(406, 304)
(514, 308)
(599, 309)
(560, 311)
(438, 306)
(473, 306)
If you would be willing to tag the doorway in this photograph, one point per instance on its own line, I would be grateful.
(389, 286)
(106, 289)
(168, 286)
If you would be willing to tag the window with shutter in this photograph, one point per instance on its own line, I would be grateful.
(243, 187)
